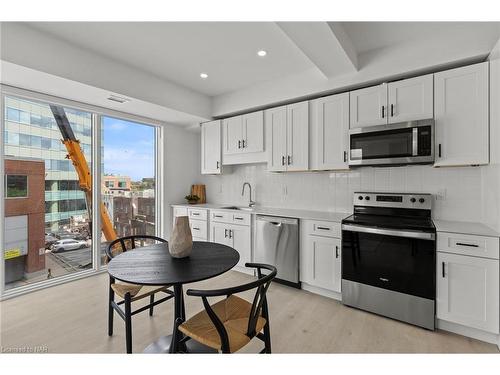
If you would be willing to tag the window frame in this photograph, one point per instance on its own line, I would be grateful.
(97, 112)
(7, 189)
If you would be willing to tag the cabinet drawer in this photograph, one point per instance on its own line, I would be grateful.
(239, 218)
(221, 216)
(467, 244)
(322, 228)
(197, 213)
(180, 211)
(198, 228)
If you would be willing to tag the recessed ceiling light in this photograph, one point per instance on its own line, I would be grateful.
(204, 75)
(261, 53)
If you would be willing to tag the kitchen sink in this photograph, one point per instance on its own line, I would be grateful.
(237, 208)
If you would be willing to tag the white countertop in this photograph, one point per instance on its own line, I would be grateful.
(275, 211)
(474, 228)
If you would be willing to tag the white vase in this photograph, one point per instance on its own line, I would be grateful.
(181, 241)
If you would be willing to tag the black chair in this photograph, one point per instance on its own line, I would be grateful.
(131, 292)
(230, 324)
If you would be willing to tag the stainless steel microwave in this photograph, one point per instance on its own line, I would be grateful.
(409, 142)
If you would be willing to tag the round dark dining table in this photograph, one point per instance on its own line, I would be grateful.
(153, 265)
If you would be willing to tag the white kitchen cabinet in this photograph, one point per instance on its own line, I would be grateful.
(329, 129)
(244, 134)
(321, 263)
(235, 236)
(411, 99)
(219, 233)
(461, 116)
(211, 148)
(368, 106)
(468, 291)
(287, 129)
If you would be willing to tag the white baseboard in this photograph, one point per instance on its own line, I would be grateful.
(469, 332)
(321, 291)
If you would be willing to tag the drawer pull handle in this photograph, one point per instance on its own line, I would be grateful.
(195, 213)
(323, 228)
(218, 216)
(336, 252)
(195, 228)
(442, 269)
(466, 244)
(238, 218)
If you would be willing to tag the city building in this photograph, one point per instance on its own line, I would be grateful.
(32, 133)
(116, 184)
(24, 211)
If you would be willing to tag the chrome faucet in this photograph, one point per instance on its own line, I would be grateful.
(251, 203)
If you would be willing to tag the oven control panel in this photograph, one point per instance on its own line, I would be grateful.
(401, 200)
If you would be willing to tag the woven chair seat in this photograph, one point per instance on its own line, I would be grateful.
(136, 291)
(233, 313)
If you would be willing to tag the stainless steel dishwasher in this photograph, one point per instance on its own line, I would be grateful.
(277, 243)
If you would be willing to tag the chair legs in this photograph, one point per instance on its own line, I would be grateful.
(128, 322)
(151, 301)
(267, 338)
(111, 311)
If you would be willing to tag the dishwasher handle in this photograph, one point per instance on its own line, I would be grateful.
(274, 220)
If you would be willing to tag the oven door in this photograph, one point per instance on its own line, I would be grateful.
(404, 143)
(398, 260)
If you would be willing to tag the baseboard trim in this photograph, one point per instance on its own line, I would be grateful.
(321, 291)
(473, 333)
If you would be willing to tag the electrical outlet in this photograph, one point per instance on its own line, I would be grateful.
(441, 195)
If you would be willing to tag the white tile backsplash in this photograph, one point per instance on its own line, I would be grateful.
(333, 191)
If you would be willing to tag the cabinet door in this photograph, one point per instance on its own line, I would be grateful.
(241, 241)
(233, 135)
(211, 156)
(323, 262)
(297, 136)
(276, 138)
(411, 99)
(253, 132)
(368, 106)
(330, 132)
(468, 291)
(461, 115)
(219, 233)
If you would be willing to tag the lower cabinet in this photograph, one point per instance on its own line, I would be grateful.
(468, 291)
(320, 260)
(236, 236)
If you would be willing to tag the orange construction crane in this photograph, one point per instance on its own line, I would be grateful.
(75, 154)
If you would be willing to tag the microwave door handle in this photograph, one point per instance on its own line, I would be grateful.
(390, 232)
(415, 142)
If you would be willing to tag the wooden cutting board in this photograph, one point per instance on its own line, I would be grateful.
(199, 190)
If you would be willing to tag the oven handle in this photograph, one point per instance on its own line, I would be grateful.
(390, 232)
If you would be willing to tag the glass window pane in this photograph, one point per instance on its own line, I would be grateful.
(52, 199)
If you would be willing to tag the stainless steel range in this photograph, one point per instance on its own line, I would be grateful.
(389, 257)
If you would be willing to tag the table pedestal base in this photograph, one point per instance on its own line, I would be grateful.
(162, 345)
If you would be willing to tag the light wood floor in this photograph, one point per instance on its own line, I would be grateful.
(72, 318)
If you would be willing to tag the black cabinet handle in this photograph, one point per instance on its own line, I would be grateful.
(243, 144)
(439, 150)
(230, 233)
(392, 110)
(217, 165)
(383, 111)
(442, 269)
(466, 244)
(239, 144)
(323, 228)
(225, 233)
(238, 218)
(282, 160)
(336, 252)
(289, 160)
(218, 216)
(195, 213)
(196, 228)
(345, 156)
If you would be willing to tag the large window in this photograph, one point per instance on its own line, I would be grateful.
(53, 205)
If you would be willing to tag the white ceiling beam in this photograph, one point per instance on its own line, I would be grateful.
(325, 44)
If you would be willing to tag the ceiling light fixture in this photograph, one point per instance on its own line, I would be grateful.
(261, 53)
(204, 75)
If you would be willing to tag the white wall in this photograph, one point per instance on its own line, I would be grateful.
(182, 168)
(333, 191)
(491, 177)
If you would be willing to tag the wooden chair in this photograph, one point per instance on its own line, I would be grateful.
(230, 324)
(131, 292)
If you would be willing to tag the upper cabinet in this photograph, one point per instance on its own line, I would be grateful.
(211, 155)
(369, 106)
(461, 107)
(329, 130)
(405, 100)
(287, 137)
